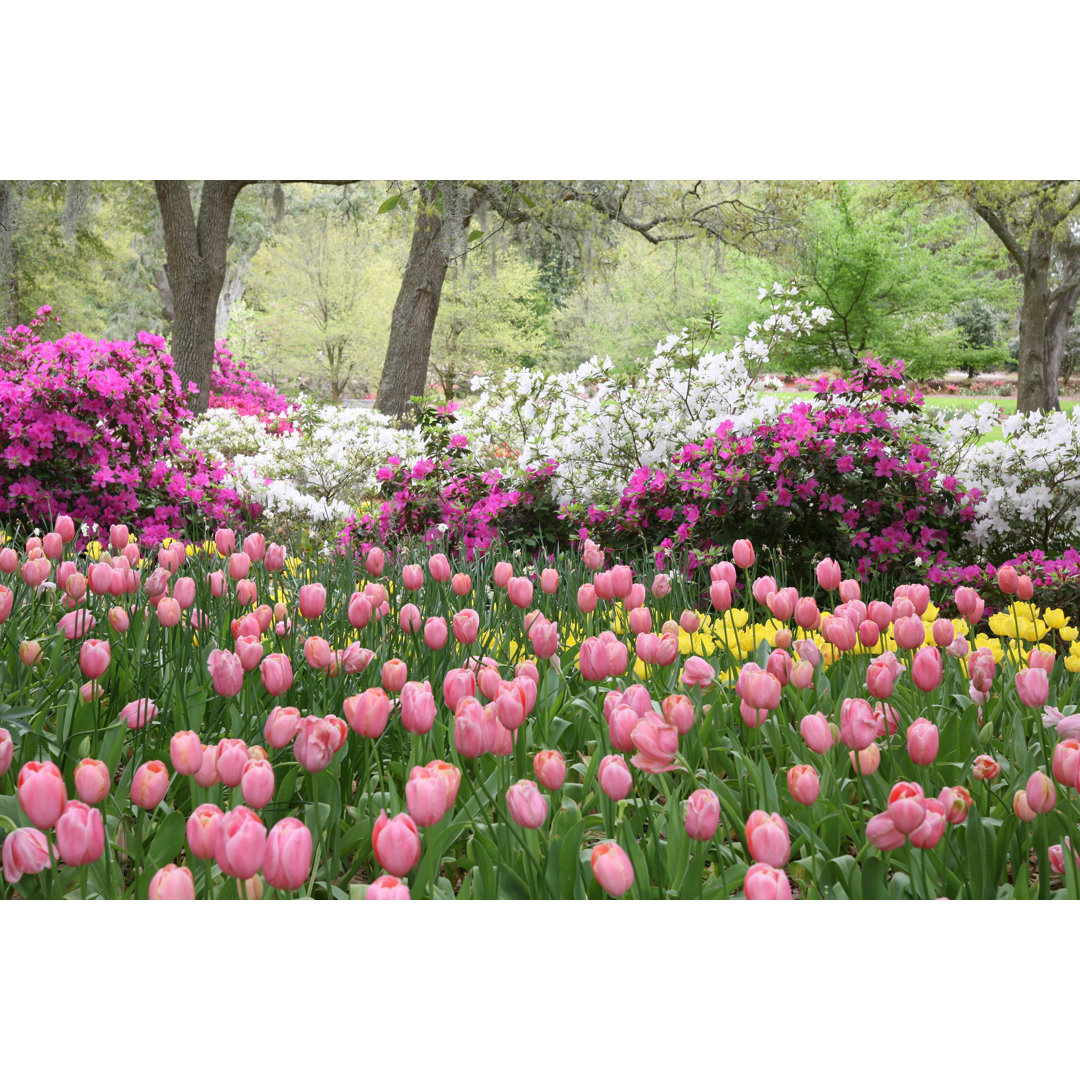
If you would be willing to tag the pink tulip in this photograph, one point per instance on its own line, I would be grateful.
(80, 834)
(520, 591)
(829, 574)
(369, 712)
(469, 728)
(764, 882)
(226, 672)
(883, 834)
(879, 679)
(907, 807)
(287, 855)
(858, 725)
(172, 882)
(439, 568)
(395, 674)
(814, 728)
(240, 846)
(702, 814)
(29, 653)
(457, 685)
(1021, 807)
(186, 752)
(207, 775)
(92, 781)
(435, 633)
(1066, 764)
(656, 743)
(216, 581)
(138, 714)
(282, 725)
(461, 584)
(387, 887)
(614, 777)
(549, 767)
(1041, 793)
(232, 756)
(26, 851)
(984, 767)
(312, 600)
(923, 740)
(767, 838)
(94, 657)
(396, 841)
(257, 783)
(466, 626)
(742, 551)
(149, 783)
(909, 632)
(276, 673)
(697, 671)
(202, 830)
(806, 613)
(612, 868)
(317, 741)
(425, 795)
(926, 669)
(1032, 687)
(678, 710)
(850, 590)
(956, 801)
(418, 707)
(1008, 580)
(275, 558)
(867, 761)
(41, 793)
(527, 806)
(803, 783)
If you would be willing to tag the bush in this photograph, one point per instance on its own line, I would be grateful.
(234, 386)
(93, 429)
(848, 471)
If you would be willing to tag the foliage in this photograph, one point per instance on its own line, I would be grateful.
(846, 472)
(93, 429)
(892, 272)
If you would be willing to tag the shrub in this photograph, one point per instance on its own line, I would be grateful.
(847, 471)
(93, 429)
(234, 386)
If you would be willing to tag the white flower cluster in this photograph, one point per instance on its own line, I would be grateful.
(601, 426)
(1030, 480)
(598, 423)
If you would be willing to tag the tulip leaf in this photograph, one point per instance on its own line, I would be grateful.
(874, 886)
(168, 839)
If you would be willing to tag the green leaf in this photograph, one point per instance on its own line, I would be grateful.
(388, 204)
(873, 880)
(475, 235)
(168, 839)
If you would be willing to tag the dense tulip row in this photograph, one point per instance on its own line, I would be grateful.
(223, 720)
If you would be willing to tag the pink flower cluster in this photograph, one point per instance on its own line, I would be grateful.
(93, 429)
(837, 472)
(234, 386)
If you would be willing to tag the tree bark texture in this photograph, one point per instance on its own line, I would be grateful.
(1034, 312)
(405, 369)
(9, 264)
(196, 258)
(1062, 309)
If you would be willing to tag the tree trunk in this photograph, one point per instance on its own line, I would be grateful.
(1034, 312)
(9, 259)
(196, 270)
(234, 289)
(1058, 320)
(405, 368)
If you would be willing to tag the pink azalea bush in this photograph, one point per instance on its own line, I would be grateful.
(92, 429)
(847, 471)
(234, 386)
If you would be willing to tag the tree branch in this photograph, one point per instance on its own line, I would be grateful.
(1002, 232)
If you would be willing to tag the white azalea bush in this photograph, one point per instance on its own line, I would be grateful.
(320, 471)
(601, 426)
(1029, 480)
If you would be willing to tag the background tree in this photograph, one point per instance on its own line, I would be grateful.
(1032, 218)
(323, 287)
(751, 217)
(893, 270)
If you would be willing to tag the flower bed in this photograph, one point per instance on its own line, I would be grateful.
(187, 721)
